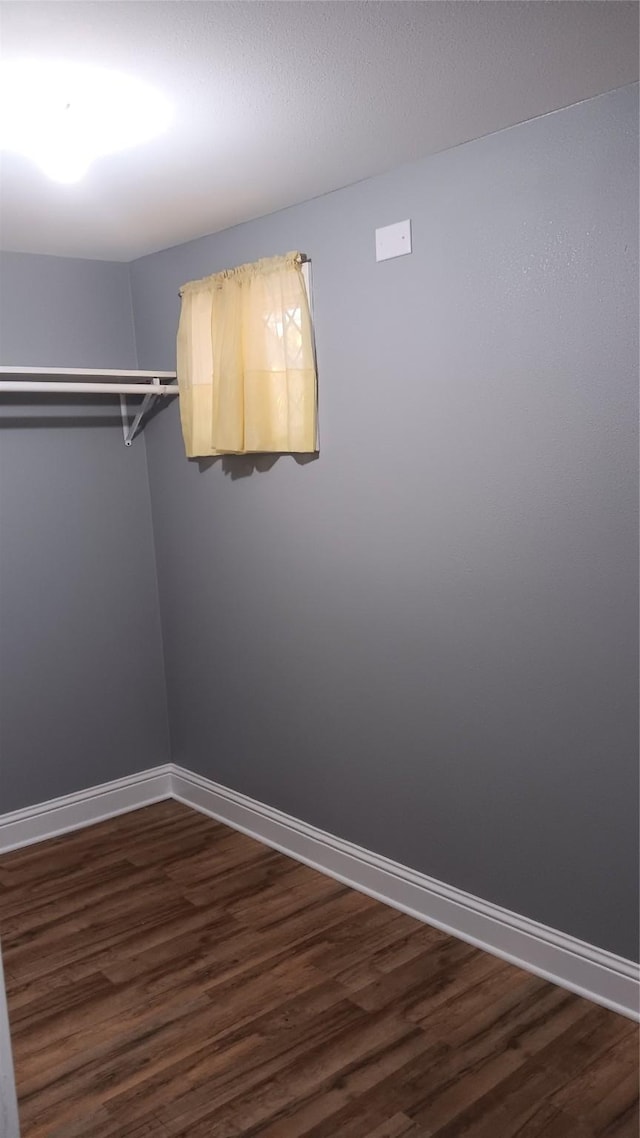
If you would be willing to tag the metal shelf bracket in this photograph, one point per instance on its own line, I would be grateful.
(129, 429)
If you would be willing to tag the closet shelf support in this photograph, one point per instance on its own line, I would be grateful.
(129, 429)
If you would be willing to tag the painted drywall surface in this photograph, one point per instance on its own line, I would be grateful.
(425, 641)
(82, 696)
(65, 312)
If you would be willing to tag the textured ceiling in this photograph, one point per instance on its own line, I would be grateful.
(279, 102)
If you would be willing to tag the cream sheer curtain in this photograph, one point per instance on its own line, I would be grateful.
(246, 366)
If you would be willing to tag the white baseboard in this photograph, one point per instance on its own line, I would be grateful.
(564, 960)
(72, 811)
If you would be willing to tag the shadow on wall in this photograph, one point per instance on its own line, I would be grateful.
(236, 465)
(244, 465)
(24, 422)
(47, 411)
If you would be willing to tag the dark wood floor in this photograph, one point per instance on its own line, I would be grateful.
(169, 977)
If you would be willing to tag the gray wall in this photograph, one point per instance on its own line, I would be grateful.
(82, 694)
(425, 641)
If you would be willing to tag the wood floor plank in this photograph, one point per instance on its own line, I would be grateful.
(548, 1122)
(68, 910)
(360, 953)
(169, 978)
(434, 970)
(215, 1075)
(507, 1107)
(100, 1125)
(362, 1120)
(516, 1010)
(307, 1075)
(325, 1102)
(397, 1127)
(82, 942)
(603, 1094)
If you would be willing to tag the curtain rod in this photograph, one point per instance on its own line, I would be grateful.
(301, 259)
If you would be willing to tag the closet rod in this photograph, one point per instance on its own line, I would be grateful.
(72, 388)
(85, 372)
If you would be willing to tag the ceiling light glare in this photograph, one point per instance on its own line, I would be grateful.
(65, 115)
